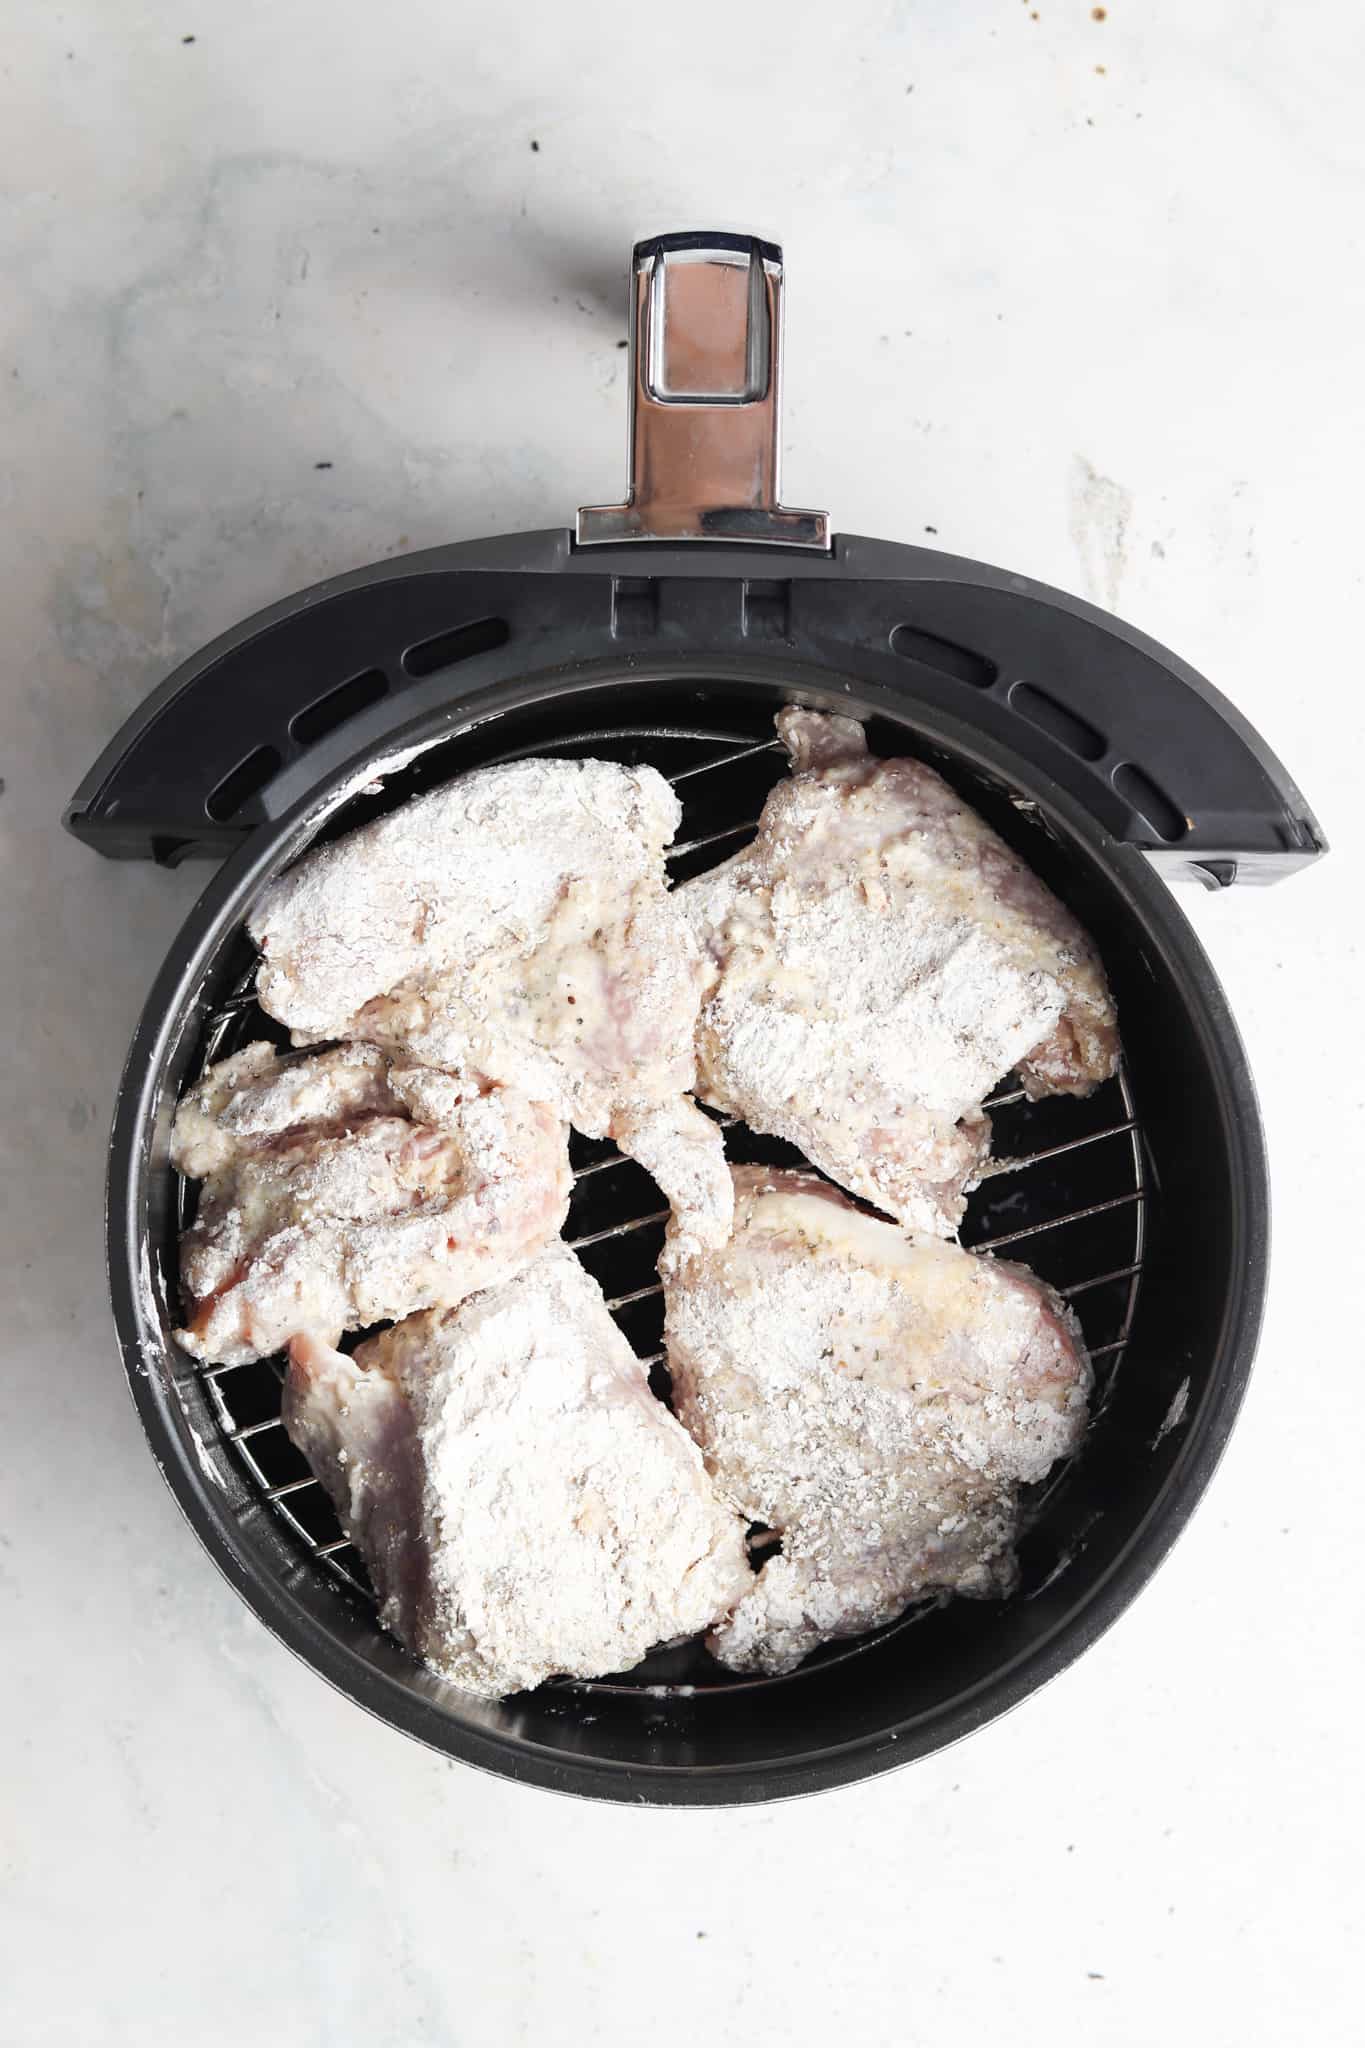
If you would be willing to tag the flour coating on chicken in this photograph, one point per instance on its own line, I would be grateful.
(876, 1400)
(343, 1189)
(525, 1506)
(879, 960)
(516, 922)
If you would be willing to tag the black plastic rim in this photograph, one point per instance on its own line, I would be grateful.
(170, 1011)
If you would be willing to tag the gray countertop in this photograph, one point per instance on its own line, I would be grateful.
(291, 287)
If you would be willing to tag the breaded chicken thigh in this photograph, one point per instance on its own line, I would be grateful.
(879, 960)
(516, 922)
(341, 1189)
(524, 1505)
(877, 1401)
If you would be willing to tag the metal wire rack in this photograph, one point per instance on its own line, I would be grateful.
(1068, 1192)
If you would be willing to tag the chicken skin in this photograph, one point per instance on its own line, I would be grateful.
(879, 960)
(516, 922)
(340, 1190)
(524, 1505)
(877, 1401)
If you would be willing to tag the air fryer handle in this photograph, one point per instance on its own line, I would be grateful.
(705, 363)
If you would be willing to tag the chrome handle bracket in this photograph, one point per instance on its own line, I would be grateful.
(705, 368)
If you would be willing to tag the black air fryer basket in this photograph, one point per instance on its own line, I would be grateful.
(669, 630)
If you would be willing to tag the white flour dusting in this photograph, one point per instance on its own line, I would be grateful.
(879, 960)
(340, 1190)
(1175, 1414)
(877, 1401)
(517, 923)
(525, 1505)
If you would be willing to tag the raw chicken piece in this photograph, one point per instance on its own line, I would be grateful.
(875, 1400)
(523, 1503)
(341, 1190)
(516, 922)
(879, 960)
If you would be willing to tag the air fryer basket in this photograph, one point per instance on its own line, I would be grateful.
(1091, 750)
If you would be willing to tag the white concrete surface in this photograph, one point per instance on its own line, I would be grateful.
(1085, 297)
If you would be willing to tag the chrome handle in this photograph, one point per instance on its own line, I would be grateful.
(705, 364)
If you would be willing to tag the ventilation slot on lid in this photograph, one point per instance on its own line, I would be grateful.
(1152, 804)
(1058, 721)
(345, 701)
(226, 798)
(944, 655)
(634, 606)
(767, 610)
(443, 650)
